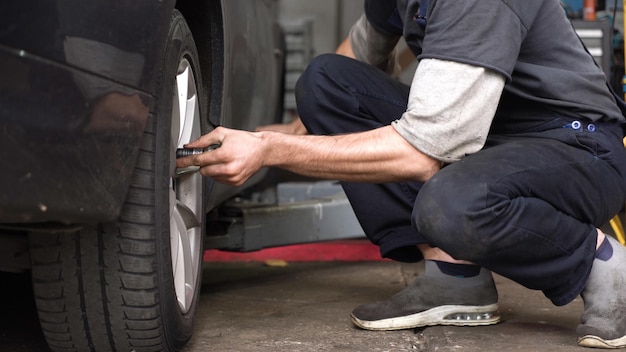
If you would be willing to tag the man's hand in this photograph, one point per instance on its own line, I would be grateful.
(239, 157)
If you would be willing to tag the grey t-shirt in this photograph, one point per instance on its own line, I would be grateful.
(531, 42)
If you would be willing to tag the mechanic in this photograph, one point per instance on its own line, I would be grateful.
(504, 155)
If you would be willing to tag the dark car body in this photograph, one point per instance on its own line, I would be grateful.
(67, 159)
(95, 98)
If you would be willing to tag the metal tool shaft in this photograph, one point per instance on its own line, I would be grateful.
(183, 152)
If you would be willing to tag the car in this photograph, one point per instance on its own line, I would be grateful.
(95, 99)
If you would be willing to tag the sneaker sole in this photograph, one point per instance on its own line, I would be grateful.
(443, 315)
(598, 342)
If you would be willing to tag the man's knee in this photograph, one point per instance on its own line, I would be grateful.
(324, 95)
(310, 87)
(448, 214)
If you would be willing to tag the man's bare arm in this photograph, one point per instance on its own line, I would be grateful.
(375, 156)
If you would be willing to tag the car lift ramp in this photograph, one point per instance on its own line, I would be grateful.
(303, 213)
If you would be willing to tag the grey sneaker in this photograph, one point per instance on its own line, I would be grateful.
(604, 319)
(434, 299)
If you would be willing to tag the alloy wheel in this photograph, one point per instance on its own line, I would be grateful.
(185, 189)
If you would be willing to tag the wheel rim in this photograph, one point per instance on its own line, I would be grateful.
(185, 190)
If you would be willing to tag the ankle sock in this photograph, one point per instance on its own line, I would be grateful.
(458, 270)
(605, 251)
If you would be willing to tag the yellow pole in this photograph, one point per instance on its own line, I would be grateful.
(623, 239)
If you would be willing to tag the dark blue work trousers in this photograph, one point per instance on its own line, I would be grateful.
(526, 206)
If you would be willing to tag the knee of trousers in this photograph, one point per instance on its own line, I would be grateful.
(307, 90)
(452, 216)
(317, 90)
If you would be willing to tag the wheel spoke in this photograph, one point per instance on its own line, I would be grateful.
(184, 257)
(184, 238)
(187, 104)
(182, 84)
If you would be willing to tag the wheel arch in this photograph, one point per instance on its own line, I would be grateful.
(200, 16)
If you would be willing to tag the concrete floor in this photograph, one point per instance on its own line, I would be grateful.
(305, 307)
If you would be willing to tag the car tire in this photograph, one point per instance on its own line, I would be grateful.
(133, 285)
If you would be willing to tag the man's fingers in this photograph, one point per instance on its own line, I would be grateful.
(214, 137)
(196, 160)
(185, 161)
(224, 173)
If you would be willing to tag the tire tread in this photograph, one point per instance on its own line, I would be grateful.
(101, 285)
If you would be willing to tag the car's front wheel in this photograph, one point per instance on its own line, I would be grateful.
(133, 285)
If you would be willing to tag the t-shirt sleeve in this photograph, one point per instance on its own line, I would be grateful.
(450, 109)
(483, 33)
(372, 47)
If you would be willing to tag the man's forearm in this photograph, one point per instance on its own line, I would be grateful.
(376, 156)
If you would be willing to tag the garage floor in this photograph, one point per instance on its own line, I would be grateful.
(305, 307)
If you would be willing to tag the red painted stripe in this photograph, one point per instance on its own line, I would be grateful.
(356, 250)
